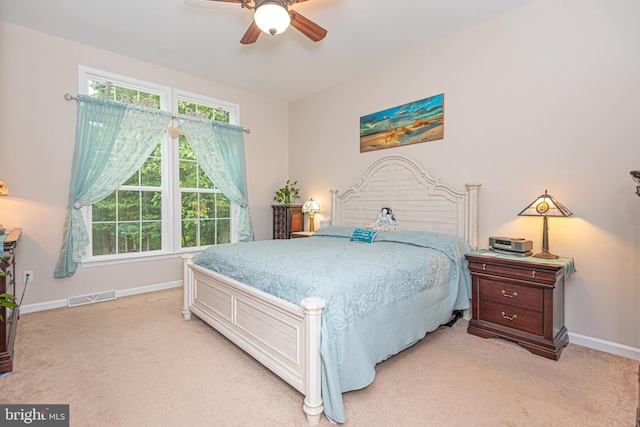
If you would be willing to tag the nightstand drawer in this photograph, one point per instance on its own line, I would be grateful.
(512, 317)
(524, 273)
(510, 294)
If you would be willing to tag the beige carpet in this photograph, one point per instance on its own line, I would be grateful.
(135, 362)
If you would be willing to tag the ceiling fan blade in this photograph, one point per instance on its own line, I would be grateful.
(251, 35)
(310, 29)
(229, 1)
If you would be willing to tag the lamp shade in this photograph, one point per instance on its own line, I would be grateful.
(272, 17)
(546, 205)
(311, 206)
(4, 190)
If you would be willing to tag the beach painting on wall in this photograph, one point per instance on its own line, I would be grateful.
(418, 121)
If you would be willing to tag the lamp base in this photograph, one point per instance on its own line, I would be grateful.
(545, 255)
(312, 228)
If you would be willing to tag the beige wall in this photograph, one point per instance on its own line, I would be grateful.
(545, 97)
(38, 128)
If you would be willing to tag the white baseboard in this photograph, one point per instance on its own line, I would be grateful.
(583, 340)
(49, 305)
(606, 346)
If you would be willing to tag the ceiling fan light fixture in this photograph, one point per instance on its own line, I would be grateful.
(272, 17)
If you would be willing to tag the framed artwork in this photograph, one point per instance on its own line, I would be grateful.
(417, 121)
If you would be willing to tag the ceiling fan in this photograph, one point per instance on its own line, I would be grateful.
(274, 16)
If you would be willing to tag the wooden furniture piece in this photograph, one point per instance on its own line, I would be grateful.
(286, 220)
(519, 300)
(638, 410)
(300, 234)
(285, 337)
(8, 285)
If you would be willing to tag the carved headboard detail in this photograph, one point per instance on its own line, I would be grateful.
(419, 201)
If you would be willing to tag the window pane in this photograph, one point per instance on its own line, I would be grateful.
(206, 110)
(126, 95)
(203, 179)
(99, 89)
(149, 100)
(152, 236)
(134, 179)
(184, 149)
(151, 205)
(207, 205)
(184, 106)
(157, 152)
(151, 172)
(188, 174)
(189, 236)
(223, 206)
(189, 205)
(223, 231)
(105, 210)
(128, 238)
(221, 116)
(128, 205)
(208, 232)
(104, 238)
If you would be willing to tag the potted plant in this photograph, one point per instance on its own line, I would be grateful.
(287, 194)
(6, 300)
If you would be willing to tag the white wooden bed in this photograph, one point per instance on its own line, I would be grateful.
(286, 337)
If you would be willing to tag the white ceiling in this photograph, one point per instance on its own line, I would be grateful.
(202, 37)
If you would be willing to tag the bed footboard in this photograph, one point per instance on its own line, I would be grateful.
(282, 336)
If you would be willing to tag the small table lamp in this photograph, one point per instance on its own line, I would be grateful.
(545, 206)
(311, 207)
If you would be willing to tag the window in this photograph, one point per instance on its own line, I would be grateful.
(205, 211)
(169, 204)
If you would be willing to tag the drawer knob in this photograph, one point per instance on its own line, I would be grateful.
(505, 294)
(515, 316)
(484, 266)
(533, 274)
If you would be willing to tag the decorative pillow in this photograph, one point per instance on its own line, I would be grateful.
(386, 221)
(363, 235)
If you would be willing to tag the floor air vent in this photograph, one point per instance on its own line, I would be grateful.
(90, 299)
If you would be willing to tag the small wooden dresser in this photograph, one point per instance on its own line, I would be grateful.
(521, 300)
(286, 220)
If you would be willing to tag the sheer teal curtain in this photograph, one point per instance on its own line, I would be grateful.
(219, 147)
(113, 140)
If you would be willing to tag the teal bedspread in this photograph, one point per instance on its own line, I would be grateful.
(381, 297)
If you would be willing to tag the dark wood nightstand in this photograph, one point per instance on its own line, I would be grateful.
(520, 299)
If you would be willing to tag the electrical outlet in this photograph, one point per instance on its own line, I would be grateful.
(27, 276)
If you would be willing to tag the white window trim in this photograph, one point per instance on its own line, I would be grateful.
(171, 226)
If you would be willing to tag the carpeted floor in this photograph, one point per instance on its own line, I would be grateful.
(135, 362)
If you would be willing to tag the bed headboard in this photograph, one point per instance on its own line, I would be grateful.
(418, 201)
